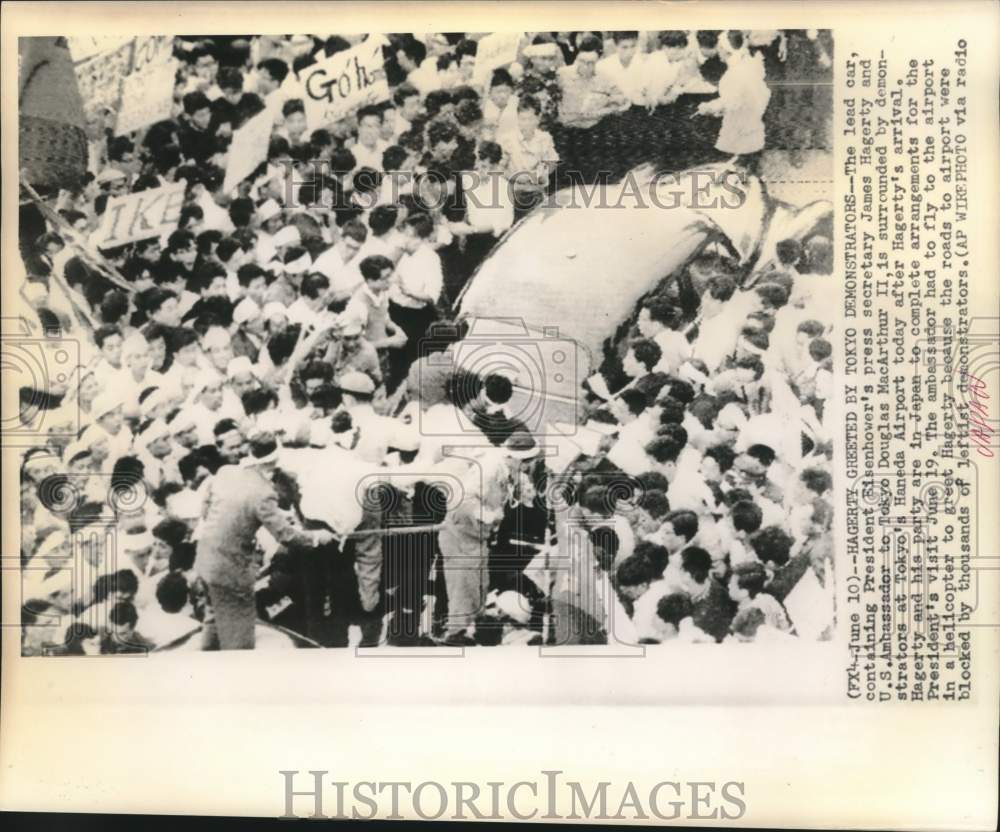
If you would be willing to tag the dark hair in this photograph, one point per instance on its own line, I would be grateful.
(697, 563)
(393, 157)
(663, 310)
(274, 67)
(498, 388)
(383, 219)
(229, 78)
(654, 553)
(762, 453)
(501, 78)
(750, 576)
(618, 37)
(721, 287)
(674, 608)
(772, 544)
(313, 285)
(373, 266)
(812, 328)
(723, 456)
(647, 352)
(735, 38)
(590, 43)
(653, 481)
(172, 592)
(710, 39)
(421, 225)
(529, 102)
(673, 39)
(753, 362)
(635, 570)
(292, 106)
(123, 613)
(468, 112)
(404, 91)
(817, 479)
(490, 152)
(103, 333)
(635, 400)
(195, 101)
(820, 349)
(746, 516)
(606, 544)
(684, 523)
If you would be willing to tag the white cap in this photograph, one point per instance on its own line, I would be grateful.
(268, 210)
(105, 403)
(298, 266)
(246, 310)
(204, 380)
(239, 365)
(356, 382)
(287, 236)
(182, 422)
(275, 308)
(157, 429)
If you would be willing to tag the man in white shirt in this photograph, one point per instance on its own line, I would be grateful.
(308, 308)
(370, 145)
(338, 262)
(657, 321)
(414, 293)
(625, 68)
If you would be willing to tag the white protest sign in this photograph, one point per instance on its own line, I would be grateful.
(141, 214)
(495, 50)
(147, 97)
(100, 76)
(248, 149)
(340, 84)
(151, 51)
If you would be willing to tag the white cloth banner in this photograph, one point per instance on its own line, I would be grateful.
(339, 85)
(147, 97)
(498, 49)
(248, 149)
(141, 215)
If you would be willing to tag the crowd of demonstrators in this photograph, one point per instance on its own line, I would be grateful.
(238, 369)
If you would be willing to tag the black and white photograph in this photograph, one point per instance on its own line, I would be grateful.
(424, 341)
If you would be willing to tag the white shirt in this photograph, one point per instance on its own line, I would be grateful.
(418, 279)
(300, 313)
(631, 79)
(675, 349)
(488, 206)
(369, 157)
(344, 277)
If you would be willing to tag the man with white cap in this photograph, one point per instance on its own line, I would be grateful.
(155, 448)
(351, 351)
(464, 539)
(107, 411)
(239, 501)
(218, 347)
(240, 379)
(285, 288)
(248, 333)
(376, 434)
(136, 374)
(270, 218)
(206, 407)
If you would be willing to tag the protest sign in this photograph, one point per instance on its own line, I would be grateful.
(151, 51)
(495, 50)
(100, 77)
(141, 215)
(339, 85)
(248, 149)
(147, 97)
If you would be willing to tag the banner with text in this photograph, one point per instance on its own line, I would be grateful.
(147, 97)
(141, 215)
(494, 51)
(340, 84)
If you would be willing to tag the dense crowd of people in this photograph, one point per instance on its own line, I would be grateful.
(253, 413)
